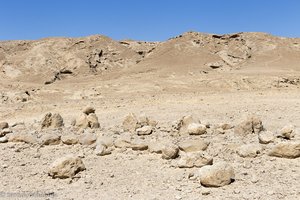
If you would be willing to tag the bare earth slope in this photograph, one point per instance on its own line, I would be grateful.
(215, 78)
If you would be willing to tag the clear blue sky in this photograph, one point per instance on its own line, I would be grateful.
(145, 19)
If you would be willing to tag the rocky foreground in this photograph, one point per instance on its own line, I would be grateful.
(206, 155)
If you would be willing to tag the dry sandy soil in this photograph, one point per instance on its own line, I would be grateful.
(215, 78)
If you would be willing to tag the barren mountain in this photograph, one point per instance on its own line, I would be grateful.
(199, 116)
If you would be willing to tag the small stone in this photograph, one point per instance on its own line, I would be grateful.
(4, 166)
(82, 121)
(196, 129)
(101, 150)
(130, 123)
(170, 151)
(93, 121)
(193, 145)
(266, 137)
(87, 139)
(52, 121)
(249, 126)
(3, 139)
(216, 175)
(182, 124)
(5, 131)
(219, 131)
(287, 132)
(87, 121)
(145, 130)
(66, 167)
(3, 125)
(249, 150)
(70, 139)
(225, 126)
(139, 147)
(88, 110)
(50, 139)
(194, 159)
(122, 143)
(254, 179)
(286, 150)
(205, 191)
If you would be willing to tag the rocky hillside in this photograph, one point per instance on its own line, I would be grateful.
(51, 59)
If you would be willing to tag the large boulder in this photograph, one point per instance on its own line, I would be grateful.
(249, 126)
(52, 121)
(216, 175)
(286, 150)
(193, 145)
(66, 167)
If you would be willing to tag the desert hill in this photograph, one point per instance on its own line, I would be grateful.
(47, 60)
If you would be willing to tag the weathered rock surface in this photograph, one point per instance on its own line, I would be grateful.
(216, 175)
(194, 159)
(155, 147)
(101, 150)
(287, 132)
(88, 110)
(87, 139)
(3, 125)
(182, 124)
(225, 126)
(196, 129)
(5, 131)
(249, 126)
(170, 151)
(266, 137)
(122, 143)
(193, 145)
(87, 119)
(69, 139)
(145, 130)
(66, 167)
(130, 123)
(23, 137)
(249, 150)
(3, 139)
(286, 150)
(52, 121)
(50, 139)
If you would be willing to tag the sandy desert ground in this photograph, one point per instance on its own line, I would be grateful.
(199, 116)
